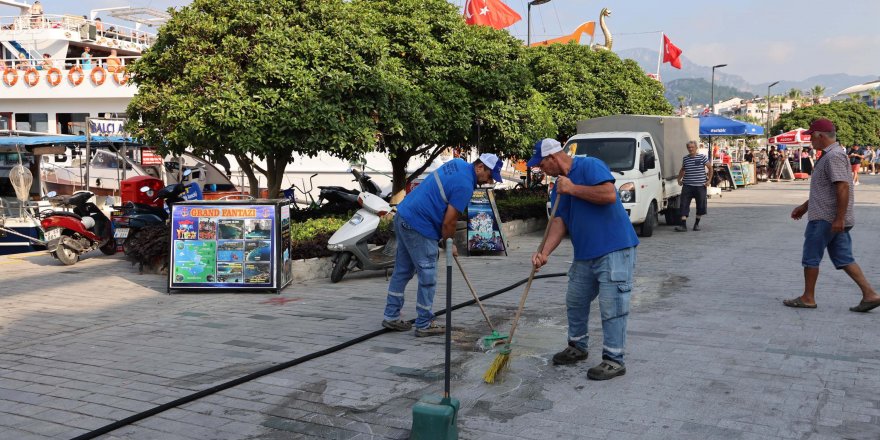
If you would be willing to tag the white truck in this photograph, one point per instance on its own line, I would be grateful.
(644, 153)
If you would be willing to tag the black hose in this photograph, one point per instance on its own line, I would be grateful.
(257, 374)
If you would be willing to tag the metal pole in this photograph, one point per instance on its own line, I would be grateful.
(660, 55)
(88, 150)
(447, 363)
(768, 112)
(529, 25)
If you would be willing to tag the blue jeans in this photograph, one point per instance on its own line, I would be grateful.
(610, 277)
(416, 254)
(818, 237)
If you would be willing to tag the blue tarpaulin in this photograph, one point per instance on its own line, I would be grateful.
(63, 139)
(715, 125)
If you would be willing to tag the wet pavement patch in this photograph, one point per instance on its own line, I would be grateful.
(216, 325)
(257, 345)
(263, 317)
(193, 314)
(813, 355)
(417, 373)
(387, 350)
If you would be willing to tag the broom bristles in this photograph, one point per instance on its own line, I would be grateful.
(497, 366)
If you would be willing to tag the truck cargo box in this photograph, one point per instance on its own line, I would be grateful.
(671, 134)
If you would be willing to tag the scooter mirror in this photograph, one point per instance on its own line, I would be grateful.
(187, 172)
(51, 194)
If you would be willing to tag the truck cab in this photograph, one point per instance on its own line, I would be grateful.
(644, 154)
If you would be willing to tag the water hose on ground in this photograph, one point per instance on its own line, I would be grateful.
(278, 367)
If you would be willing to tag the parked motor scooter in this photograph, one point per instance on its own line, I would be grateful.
(351, 241)
(71, 234)
(134, 217)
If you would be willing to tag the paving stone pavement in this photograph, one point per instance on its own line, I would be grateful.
(712, 353)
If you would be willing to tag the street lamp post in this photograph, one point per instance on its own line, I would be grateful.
(529, 19)
(529, 43)
(713, 85)
(768, 110)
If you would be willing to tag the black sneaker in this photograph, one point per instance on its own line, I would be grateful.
(696, 227)
(608, 369)
(681, 228)
(433, 329)
(397, 325)
(570, 355)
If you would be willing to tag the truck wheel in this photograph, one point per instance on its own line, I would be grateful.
(647, 229)
(340, 268)
(671, 215)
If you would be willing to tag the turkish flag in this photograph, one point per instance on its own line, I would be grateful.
(490, 13)
(671, 53)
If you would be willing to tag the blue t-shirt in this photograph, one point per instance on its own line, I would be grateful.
(424, 209)
(595, 230)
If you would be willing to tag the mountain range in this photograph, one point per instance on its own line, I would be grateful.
(647, 59)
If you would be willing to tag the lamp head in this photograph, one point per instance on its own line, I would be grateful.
(719, 65)
(538, 2)
(771, 85)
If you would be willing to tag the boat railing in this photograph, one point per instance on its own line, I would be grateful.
(64, 63)
(79, 25)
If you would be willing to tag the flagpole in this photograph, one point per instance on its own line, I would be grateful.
(660, 55)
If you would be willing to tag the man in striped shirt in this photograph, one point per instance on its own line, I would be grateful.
(694, 176)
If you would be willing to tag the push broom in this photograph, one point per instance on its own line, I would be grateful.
(486, 342)
(503, 357)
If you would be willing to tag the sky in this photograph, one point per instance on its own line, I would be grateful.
(758, 40)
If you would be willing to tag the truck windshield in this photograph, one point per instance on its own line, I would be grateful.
(618, 154)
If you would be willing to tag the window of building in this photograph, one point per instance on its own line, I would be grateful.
(38, 122)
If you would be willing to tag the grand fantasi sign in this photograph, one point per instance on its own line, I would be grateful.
(106, 127)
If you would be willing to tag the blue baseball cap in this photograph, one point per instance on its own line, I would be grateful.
(494, 163)
(544, 148)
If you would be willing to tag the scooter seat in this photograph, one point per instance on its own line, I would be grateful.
(62, 214)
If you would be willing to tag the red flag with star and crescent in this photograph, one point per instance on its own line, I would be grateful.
(671, 53)
(490, 13)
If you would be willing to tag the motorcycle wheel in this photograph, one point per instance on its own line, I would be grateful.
(340, 268)
(65, 255)
(109, 248)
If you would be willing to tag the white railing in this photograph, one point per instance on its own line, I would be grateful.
(76, 24)
(61, 63)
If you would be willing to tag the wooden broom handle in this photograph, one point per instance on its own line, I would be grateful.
(522, 300)
(474, 293)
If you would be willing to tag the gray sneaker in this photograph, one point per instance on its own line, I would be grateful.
(608, 369)
(397, 325)
(433, 329)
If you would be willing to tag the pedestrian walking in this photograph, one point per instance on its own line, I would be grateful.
(830, 208)
(426, 216)
(604, 254)
(694, 177)
(855, 160)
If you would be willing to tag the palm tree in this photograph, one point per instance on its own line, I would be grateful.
(817, 93)
(795, 96)
(855, 97)
(681, 99)
(874, 94)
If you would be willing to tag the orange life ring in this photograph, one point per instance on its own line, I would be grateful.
(31, 77)
(98, 69)
(79, 78)
(57, 76)
(121, 76)
(6, 80)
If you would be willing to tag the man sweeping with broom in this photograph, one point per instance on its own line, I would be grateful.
(604, 253)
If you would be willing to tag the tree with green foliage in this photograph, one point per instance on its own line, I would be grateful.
(817, 91)
(680, 99)
(264, 81)
(451, 84)
(579, 83)
(874, 94)
(857, 124)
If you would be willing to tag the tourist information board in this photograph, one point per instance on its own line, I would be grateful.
(230, 245)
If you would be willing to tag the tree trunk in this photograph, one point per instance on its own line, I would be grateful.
(275, 165)
(398, 173)
(247, 166)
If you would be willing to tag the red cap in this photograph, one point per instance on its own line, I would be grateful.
(821, 124)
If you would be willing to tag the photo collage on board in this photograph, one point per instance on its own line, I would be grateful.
(222, 250)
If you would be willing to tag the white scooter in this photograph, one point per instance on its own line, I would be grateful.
(351, 241)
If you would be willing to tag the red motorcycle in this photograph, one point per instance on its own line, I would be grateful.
(69, 234)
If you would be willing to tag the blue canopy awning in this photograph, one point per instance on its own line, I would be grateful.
(715, 125)
(63, 139)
